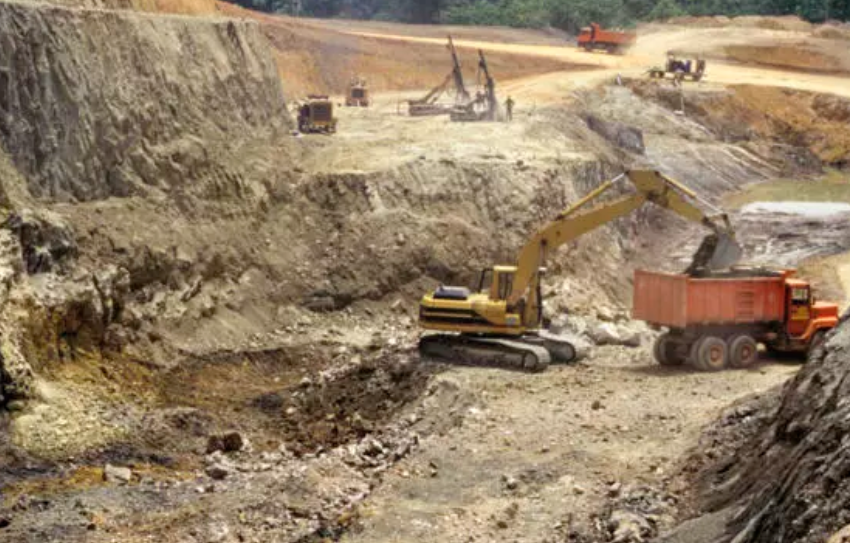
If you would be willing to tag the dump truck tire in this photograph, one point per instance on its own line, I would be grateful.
(665, 353)
(743, 351)
(693, 354)
(712, 354)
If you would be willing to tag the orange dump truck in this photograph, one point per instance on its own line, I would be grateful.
(717, 321)
(614, 41)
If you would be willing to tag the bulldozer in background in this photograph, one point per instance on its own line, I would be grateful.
(358, 94)
(316, 115)
(680, 68)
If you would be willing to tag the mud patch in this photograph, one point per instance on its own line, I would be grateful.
(351, 402)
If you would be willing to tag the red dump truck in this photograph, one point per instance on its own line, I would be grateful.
(717, 321)
(614, 41)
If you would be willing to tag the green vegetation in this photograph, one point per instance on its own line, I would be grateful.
(834, 186)
(566, 14)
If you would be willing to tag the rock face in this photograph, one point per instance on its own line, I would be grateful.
(623, 136)
(96, 103)
(46, 241)
(117, 474)
(793, 474)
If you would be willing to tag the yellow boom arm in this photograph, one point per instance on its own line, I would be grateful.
(652, 186)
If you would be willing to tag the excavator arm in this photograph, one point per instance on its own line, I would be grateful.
(718, 251)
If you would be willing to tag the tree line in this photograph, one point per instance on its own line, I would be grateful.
(564, 14)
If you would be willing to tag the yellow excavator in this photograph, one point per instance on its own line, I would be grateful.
(501, 323)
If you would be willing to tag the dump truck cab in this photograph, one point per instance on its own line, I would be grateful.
(316, 115)
(806, 317)
(613, 41)
(588, 33)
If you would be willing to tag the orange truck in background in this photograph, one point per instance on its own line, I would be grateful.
(718, 320)
(614, 41)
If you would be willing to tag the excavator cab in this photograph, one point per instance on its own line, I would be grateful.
(497, 282)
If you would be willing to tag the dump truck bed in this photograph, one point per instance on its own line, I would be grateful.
(619, 38)
(612, 37)
(680, 301)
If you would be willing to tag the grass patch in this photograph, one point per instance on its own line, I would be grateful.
(834, 186)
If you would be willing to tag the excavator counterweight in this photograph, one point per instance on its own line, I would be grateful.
(501, 322)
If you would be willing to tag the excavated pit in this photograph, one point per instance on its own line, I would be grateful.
(199, 272)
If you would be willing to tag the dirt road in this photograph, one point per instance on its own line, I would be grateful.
(636, 63)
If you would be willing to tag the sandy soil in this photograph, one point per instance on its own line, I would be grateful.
(567, 453)
(635, 63)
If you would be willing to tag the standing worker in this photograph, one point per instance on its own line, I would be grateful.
(509, 106)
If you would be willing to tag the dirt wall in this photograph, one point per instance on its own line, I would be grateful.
(810, 127)
(101, 103)
(788, 481)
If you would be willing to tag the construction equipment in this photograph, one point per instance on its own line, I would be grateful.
(358, 94)
(427, 105)
(316, 115)
(594, 37)
(716, 320)
(484, 107)
(501, 322)
(680, 69)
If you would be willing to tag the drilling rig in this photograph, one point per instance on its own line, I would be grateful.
(428, 105)
(484, 107)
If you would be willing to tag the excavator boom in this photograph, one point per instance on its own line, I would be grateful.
(580, 218)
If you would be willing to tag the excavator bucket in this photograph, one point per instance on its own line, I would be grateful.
(727, 253)
(716, 252)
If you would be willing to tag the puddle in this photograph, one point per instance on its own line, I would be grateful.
(815, 210)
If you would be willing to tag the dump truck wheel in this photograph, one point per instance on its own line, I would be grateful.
(743, 351)
(693, 354)
(712, 354)
(665, 351)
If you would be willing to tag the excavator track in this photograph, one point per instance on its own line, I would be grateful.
(485, 351)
